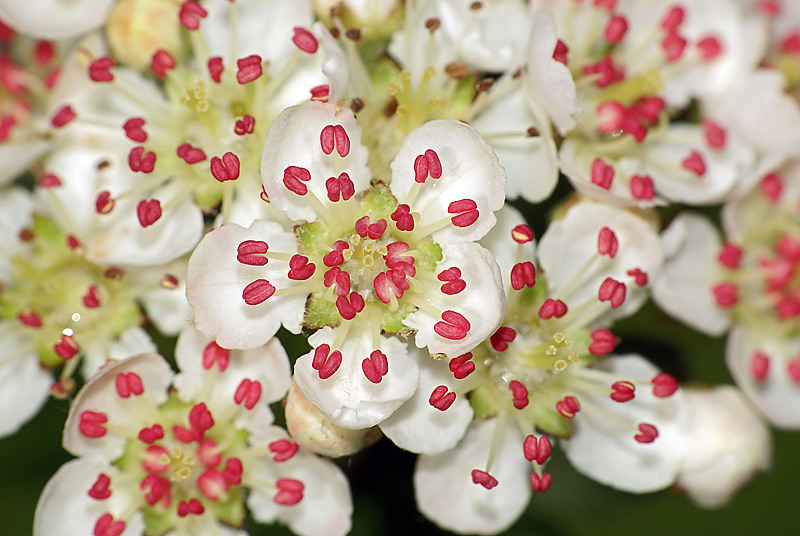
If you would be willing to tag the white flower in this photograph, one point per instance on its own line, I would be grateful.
(55, 19)
(159, 461)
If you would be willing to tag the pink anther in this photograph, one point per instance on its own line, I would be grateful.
(602, 174)
(523, 274)
(694, 163)
(375, 367)
(462, 366)
(441, 399)
(453, 326)
(294, 177)
(521, 234)
(502, 337)
(552, 308)
(249, 69)
(519, 394)
(134, 131)
(622, 391)
(91, 424)
(759, 366)
(214, 354)
(540, 484)
(568, 407)
(248, 393)
(483, 478)
(642, 187)
(100, 69)
(290, 491)
(128, 384)
(664, 385)
(190, 14)
(161, 63)
(283, 450)
(257, 292)
(603, 342)
(647, 433)
(403, 218)
(466, 210)
(245, 125)
(305, 40)
(537, 449)
(225, 168)
(340, 186)
(141, 160)
(612, 291)
(101, 488)
(215, 68)
(300, 269)
(190, 155)
(607, 243)
(325, 361)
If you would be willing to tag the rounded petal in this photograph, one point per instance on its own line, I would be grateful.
(130, 342)
(17, 157)
(602, 445)
(215, 281)
(419, 427)
(348, 398)
(499, 242)
(446, 494)
(24, 384)
(55, 19)
(470, 170)
(100, 395)
(482, 303)
(684, 287)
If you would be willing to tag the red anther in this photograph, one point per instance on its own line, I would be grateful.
(186, 435)
(521, 234)
(770, 8)
(305, 40)
(542, 484)
(622, 391)
(349, 308)
(483, 478)
(462, 366)
(616, 28)
(519, 393)
(639, 277)
(714, 133)
(613, 116)
(552, 308)
(157, 489)
(453, 282)
(7, 122)
(791, 43)
(502, 337)
(190, 14)
(215, 68)
(730, 256)
(72, 242)
(523, 274)
(320, 93)
(568, 407)
(427, 165)
(225, 168)
(292, 177)
(100, 489)
(602, 174)
(208, 453)
(192, 507)
(245, 125)
(361, 226)
(190, 155)
(771, 187)
(91, 299)
(161, 63)
(376, 230)
(300, 269)
(673, 18)
(664, 385)
(283, 450)
(726, 294)
(214, 354)
(609, 73)
(128, 384)
(64, 115)
(467, 211)
(141, 160)
(709, 48)
(44, 52)
(148, 212)
(264, 195)
(257, 292)
(91, 424)
(673, 46)
(67, 347)
(441, 399)
(560, 52)
(133, 129)
(340, 278)
(403, 218)
(607, 243)
(650, 108)
(100, 69)
(252, 252)
(327, 139)
(793, 369)
(249, 69)
(249, 392)
(106, 526)
(453, 326)
(233, 471)
(537, 449)
(334, 257)
(648, 433)
(609, 5)
(30, 319)
(694, 163)
(211, 483)
(325, 361)
(342, 140)
(152, 434)
(290, 491)
(384, 288)
(642, 187)
(376, 366)
(603, 342)
(200, 418)
(759, 365)
(340, 186)
(49, 180)
(612, 291)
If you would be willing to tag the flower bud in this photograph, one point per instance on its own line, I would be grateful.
(138, 28)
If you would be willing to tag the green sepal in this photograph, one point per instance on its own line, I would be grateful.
(320, 312)
(392, 321)
(483, 403)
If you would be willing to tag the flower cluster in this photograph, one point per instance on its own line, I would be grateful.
(239, 238)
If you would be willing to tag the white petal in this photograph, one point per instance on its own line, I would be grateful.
(130, 342)
(603, 447)
(446, 494)
(17, 157)
(24, 384)
(65, 507)
(506, 252)
(215, 282)
(570, 244)
(55, 19)
(684, 287)
(16, 213)
(777, 396)
(482, 302)
(348, 398)
(470, 170)
(419, 427)
(294, 140)
(100, 395)
(167, 308)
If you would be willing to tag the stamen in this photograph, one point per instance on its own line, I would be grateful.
(67, 347)
(521, 234)
(376, 366)
(283, 450)
(466, 210)
(214, 354)
(292, 177)
(245, 125)
(128, 384)
(427, 165)
(257, 292)
(454, 284)
(141, 160)
(325, 361)
(537, 449)
(404, 220)
(607, 243)
(694, 163)
(612, 291)
(462, 366)
(540, 484)
(100, 489)
(759, 365)
(441, 399)
(552, 308)
(349, 308)
(602, 174)
(100, 69)
(603, 342)
(249, 69)
(190, 155)
(30, 319)
(91, 424)
(560, 52)
(648, 433)
(771, 187)
(730, 256)
(305, 40)
(341, 185)
(726, 294)
(63, 116)
(106, 526)
(639, 277)
(483, 478)
(664, 385)
(133, 129)
(673, 18)
(161, 63)
(453, 326)
(523, 274)
(568, 407)
(642, 187)
(151, 435)
(709, 48)
(290, 491)
(148, 212)
(300, 269)
(225, 168)
(215, 68)
(519, 393)
(502, 337)
(190, 14)
(249, 392)
(622, 391)
(49, 180)
(615, 29)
